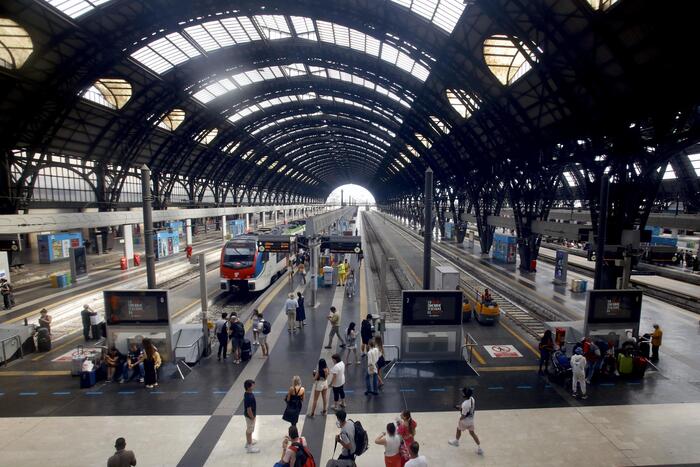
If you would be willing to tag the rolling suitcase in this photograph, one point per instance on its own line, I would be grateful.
(88, 379)
(43, 340)
(77, 359)
(640, 365)
(246, 350)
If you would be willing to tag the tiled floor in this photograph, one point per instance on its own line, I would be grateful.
(586, 436)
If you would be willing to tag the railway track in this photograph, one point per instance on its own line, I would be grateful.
(530, 322)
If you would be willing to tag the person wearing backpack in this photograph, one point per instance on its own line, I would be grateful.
(295, 451)
(237, 336)
(264, 327)
(352, 438)
(466, 420)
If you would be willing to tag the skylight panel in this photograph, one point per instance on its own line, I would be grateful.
(172, 120)
(202, 37)
(440, 125)
(295, 69)
(231, 147)
(304, 27)
(273, 165)
(443, 13)
(207, 137)
(424, 141)
(411, 150)
(669, 174)
(695, 162)
(505, 58)
(342, 35)
(405, 158)
(75, 8)
(261, 160)
(242, 79)
(204, 96)
(15, 44)
(241, 29)
(389, 53)
(147, 57)
(357, 40)
(570, 179)
(462, 102)
(318, 71)
(273, 26)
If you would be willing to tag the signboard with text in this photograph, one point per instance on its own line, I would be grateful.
(274, 244)
(432, 307)
(342, 244)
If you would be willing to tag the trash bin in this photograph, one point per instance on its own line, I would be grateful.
(137, 260)
(53, 278)
(123, 264)
(327, 276)
(533, 265)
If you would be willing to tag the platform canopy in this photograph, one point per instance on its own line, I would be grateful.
(300, 96)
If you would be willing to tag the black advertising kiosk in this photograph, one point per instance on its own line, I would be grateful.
(431, 325)
(132, 315)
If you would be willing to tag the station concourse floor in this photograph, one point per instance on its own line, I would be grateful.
(522, 419)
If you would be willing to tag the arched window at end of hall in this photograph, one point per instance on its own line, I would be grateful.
(508, 58)
(207, 136)
(602, 4)
(172, 120)
(15, 45)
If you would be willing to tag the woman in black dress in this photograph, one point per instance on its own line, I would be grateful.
(301, 312)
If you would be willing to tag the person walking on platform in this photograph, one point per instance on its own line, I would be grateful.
(337, 382)
(350, 284)
(121, 458)
(365, 334)
(578, 372)
(392, 446)
(346, 439)
(546, 348)
(371, 378)
(237, 337)
(351, 340)
(7, 293)
(290, 307)
(301, 270)
(466, 420)
(334, 319)
(249, 413)
(264, 328)
(320, 378)
(221, 332)
(301, 311)
(656, 337)
(85, 315)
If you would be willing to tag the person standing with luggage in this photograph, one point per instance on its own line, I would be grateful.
(466, 420)
(85, 315)
(656, 337)
(121, 458)
(45, 320)
(290, 308)
(249, 412)
(264, 328)
(346, 438)
(237, 337)
(221, 332)
(301, 311)
(578, 372)
(334, 319)
(7, 293)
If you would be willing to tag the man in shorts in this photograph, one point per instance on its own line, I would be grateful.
(249, 412)
(466, 420)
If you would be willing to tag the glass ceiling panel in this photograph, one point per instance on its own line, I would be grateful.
(166, 52)
(442, 13)
(212, 91)
(75, 8)
(507, 58)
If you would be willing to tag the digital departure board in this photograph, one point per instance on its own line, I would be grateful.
(274, 244)
(432, 307)
(614, 306)
(342, 244)
(136, 306)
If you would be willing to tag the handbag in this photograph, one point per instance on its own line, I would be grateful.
(381, 362)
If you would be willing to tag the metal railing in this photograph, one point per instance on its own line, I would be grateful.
(469, 346)
(395, 361)
(4, 347)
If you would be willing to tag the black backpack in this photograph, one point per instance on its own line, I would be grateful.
(238, 330)
(267, 327)
(361, 441)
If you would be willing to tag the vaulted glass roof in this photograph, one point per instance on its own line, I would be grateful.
(175, 48)
(443, 13)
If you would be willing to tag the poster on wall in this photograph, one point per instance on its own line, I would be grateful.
(561, 263)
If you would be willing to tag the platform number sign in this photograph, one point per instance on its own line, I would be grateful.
(342, 244)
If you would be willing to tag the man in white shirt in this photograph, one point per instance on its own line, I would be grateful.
(416, 460)
(466, 420)
(371, 378)
(578, 372)
(338, 381)
(290, 307)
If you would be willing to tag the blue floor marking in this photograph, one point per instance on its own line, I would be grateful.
(28, 393)
(219, 392)
(633, 382)
(190, 392)
(281, 392)
(496, 387)
(607, 384)
(547, 386)
(157, 392)
(524, 386)
(437, 389)
(127, 392)
(61, 393)
(407, 390)
(260, 392)
(93, 393)
(349, 391)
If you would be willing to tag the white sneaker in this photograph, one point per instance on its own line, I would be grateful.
(252, 449)
(453, 442)
(479, 451)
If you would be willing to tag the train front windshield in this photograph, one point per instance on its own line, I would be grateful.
(239, 255)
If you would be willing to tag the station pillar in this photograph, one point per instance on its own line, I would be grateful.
(275, 219)
(188, 232)
(263, 218)
(128, 245)
(223, 228)
(247, 221)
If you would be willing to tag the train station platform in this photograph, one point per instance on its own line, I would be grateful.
(522, 418)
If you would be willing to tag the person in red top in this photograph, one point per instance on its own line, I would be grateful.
(406, 429)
